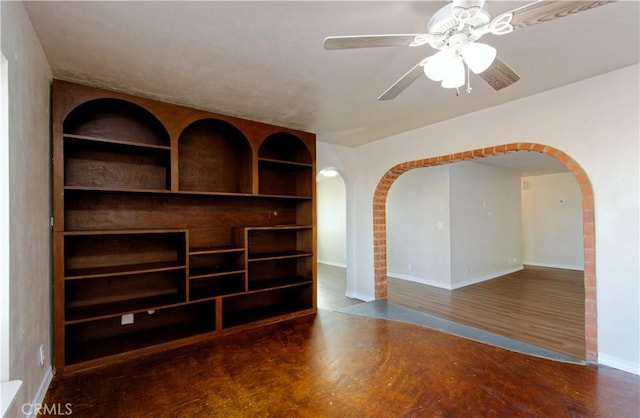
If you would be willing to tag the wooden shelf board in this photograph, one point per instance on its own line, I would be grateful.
(115, 189)
(278, 283)
(273, 161)
(97, 139)
(124, 232)
(214, 250)
(278, 227)
(210, 272)
(220, 194)
(181, 192)
(88, 273)
(284, 196)
(279, 255)
(83, 312)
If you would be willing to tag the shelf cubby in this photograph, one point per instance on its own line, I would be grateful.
(285, 167)
(214, 156)
(285, 147)
(284, 179)
(290, 241)
(103, 296)
(117, 120)
(116, 144)
(280, 272)
(103, 337)
(107, 253)
(215, 262)
(106, 164)
(257, 306)
(211, 220)
(213, 286)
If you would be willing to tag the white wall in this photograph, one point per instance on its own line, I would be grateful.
(29, 192)
(486, 231)
(338, 158)
(332, 221)
(594, 121)
(552, 221)
(416, 249)
(454, 225)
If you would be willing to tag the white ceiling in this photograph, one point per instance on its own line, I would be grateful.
(265, 60)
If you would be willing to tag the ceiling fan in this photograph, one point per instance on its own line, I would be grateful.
(453, 31)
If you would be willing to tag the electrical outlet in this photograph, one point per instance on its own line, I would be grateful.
(409, 266)
(41, 355)
(126, 319)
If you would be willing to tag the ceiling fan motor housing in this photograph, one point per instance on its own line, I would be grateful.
(456, 17)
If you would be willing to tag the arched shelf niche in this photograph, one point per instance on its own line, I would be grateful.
(115, 144)
(118, 120)
(214, 157)
(285, 167)
(285, 147)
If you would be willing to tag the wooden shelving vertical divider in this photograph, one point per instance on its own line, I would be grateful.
(173, 225)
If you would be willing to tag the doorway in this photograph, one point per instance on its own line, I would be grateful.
(332, 239)
(387, 180)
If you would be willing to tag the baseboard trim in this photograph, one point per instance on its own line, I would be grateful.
(359, 296)
(485, 277)
(331, 263)
(553, 266)
(618, 363)
(448, 286)
(420, 280)
(42, 391)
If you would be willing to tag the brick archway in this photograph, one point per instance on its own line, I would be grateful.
(380, 222)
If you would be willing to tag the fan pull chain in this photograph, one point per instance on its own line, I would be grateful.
(468, 81)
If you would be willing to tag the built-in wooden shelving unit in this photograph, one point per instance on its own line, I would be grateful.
(173, 225)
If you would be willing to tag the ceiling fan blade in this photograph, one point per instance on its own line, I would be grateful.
(404, 82)
(544, 10)
(499, 75)
(371, 41)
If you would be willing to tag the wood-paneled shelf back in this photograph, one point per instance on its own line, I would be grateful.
(173, 225)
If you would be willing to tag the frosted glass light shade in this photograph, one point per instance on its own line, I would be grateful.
(454, 77)
(437, 65)
(478, 57)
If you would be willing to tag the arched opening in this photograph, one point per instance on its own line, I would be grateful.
(332, 239)
(380, 236)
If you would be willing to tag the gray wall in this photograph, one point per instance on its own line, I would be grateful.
(486, 229)
(454, 225)
(552, 221)
(418, 227)
(29, 193)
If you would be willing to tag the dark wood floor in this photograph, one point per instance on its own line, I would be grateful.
(339, 365)
(538, 305)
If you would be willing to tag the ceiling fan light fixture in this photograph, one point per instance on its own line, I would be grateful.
(437, 65)
(455, 74)
(478, 56)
